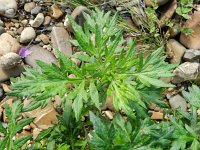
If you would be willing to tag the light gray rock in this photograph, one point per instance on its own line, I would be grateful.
(191, 55)
(60, 40)
(38, 20)
(8, 44)
(186, 71)
(8, 8)
(27, 35)
(174, 51)
(29, 6)
(178, 101)
(2, 30)
(10, 60)
(1, 23)
(13, 72)
(36, 10)
(39, 53)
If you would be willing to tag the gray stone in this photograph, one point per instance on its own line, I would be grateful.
(27, 35)
(10, 60)
(186, 71)
(174, 51)
(8, 8)
(13, 72)
(36, 10)
(39, 53)
(1, 92)
(178, 101)
(29, 6)
(60, 40)
(8, 44)
(38, 20)
(1, 23)
(2, 30)
(191, 55)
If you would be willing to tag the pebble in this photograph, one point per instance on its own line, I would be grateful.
(56, 12)
(36, 10)
(44, 117)
(8, 44)
(29, 6)
(60, 40)
(191, 55)
(2, 30)
(10, 60)
(38, 20)
(186, 71)
(192, 41)
(157, 115)
(24, 22)
(8, 8)
(1, 23)
(47, 20)
(39, 53)
(13, 72)
(109, 103)
(178, 101)
(174, 51)
(27, 35)
(44, 38)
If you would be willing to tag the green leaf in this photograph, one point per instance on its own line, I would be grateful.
(43, 134)
(21, 141)
(94, 94)
(22, 123)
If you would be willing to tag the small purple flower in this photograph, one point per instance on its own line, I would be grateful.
(24, 52)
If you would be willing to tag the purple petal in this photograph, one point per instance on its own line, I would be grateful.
(24, 52)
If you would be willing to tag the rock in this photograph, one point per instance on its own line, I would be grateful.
(1, 92)
(47, 20)
(77, 14)
(8, 44)
(27, 35)
(60, 40)
(191, 55)
(44, 38)
(186, 71)
(29, 6)
(10, 60)
(192, 41)
(109, 114)
(36, 10)
(13, 72)
(23, 133)
(6, 87)
(178, 101)
(38, 20)
(56, 12)
(157, 115)
(159, 2)
(2, 30)
(174, 51)
(167, 12)
(44, 118)
(1, 23)
(109, 103)
(174, 31)
(8, 8)
(36, 132)
(39, 53)
(24, 22)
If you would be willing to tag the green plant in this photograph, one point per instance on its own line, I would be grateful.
(67, 134)
(184, 7)
(109, 68)
(14, 126)
(121, 134)
(187, 126)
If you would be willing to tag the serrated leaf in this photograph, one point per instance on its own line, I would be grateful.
(22, 123)
(94, 94)
(43, 134)
(21, 141)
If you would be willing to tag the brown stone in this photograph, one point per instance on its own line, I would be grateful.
(60, 40)
(56, 12)
(192, 41)
(109, 103)
(157, 115)
(23, 133)
(44, 117)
